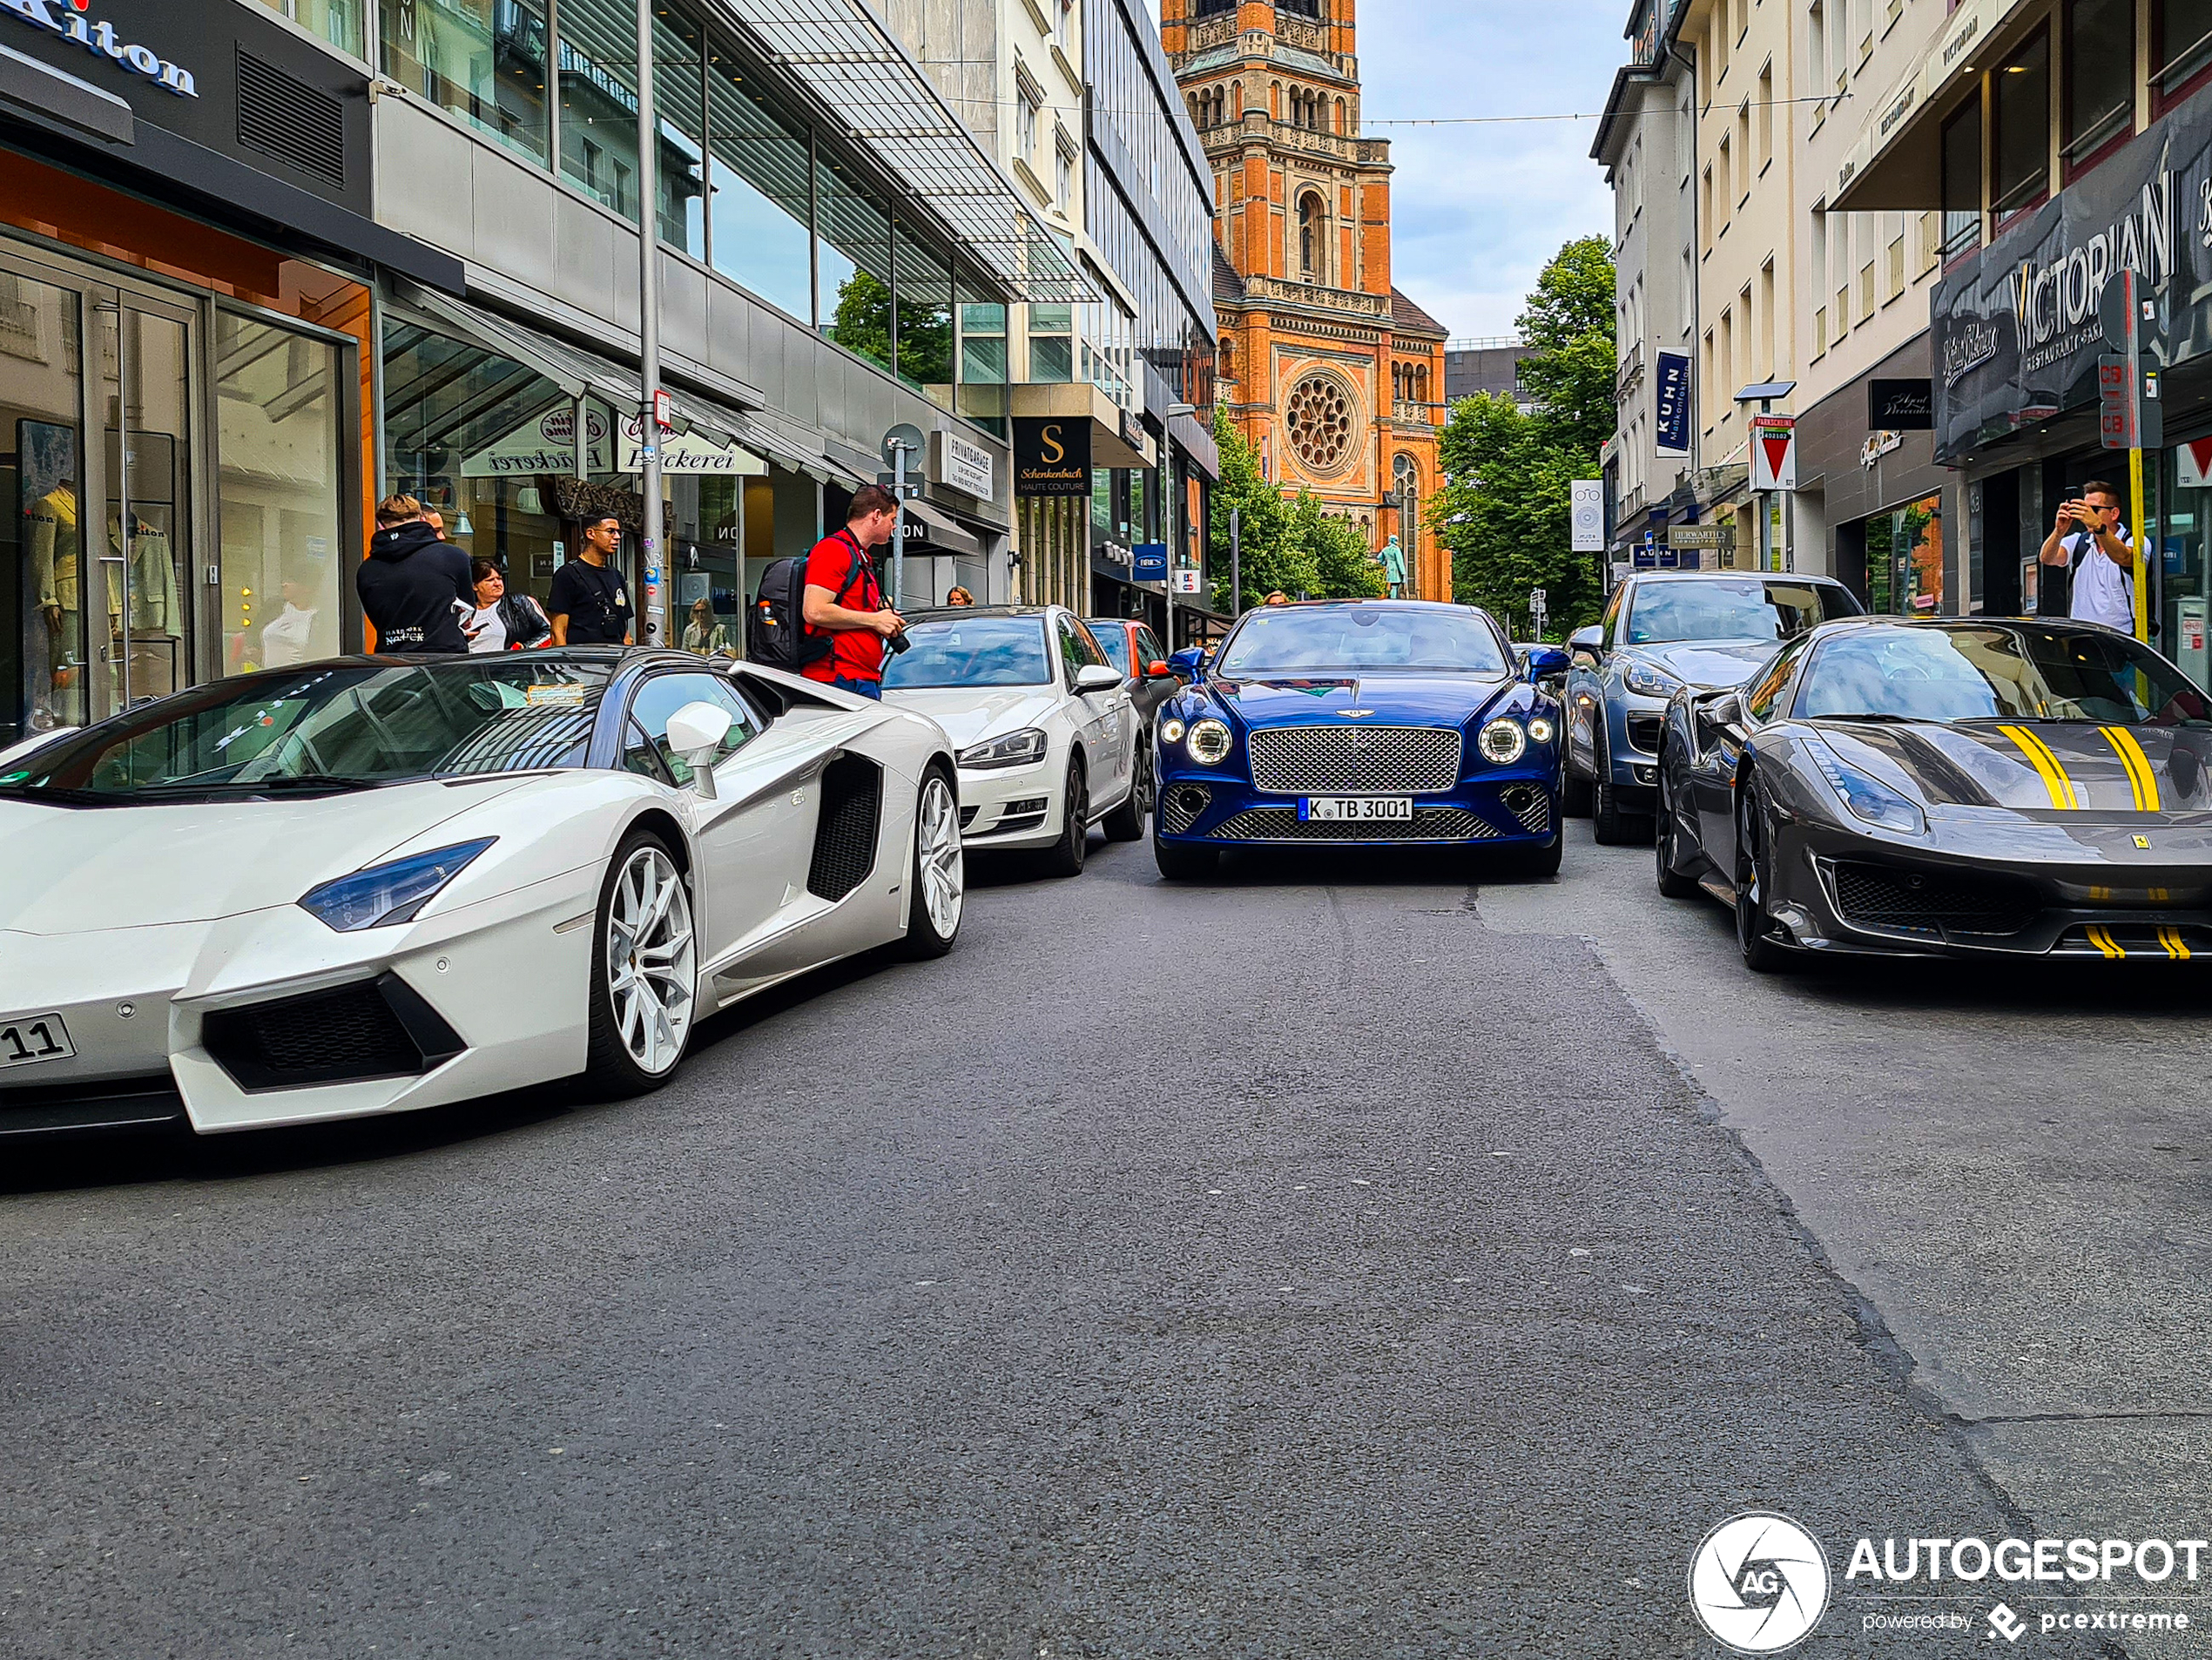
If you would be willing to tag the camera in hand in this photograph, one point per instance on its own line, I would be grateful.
(896, 643)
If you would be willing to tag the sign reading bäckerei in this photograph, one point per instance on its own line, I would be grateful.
(2015, 327)
(67, 18)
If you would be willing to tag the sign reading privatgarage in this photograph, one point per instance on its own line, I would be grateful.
(2016, 328)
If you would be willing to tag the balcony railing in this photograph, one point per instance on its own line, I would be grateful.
(1312, 294)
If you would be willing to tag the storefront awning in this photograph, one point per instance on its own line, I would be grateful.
(947, 534)
(866, 82)
(574, 370)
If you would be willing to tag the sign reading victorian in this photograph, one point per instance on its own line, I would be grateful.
(2017, 333)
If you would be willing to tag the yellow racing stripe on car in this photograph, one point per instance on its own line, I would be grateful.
(2175, 948)
(2138, 765)
(2045, 763)
(2101, 938)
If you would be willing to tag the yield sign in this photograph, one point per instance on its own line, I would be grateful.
(1774, 452)
(2195, 461)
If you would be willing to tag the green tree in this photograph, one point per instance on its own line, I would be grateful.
(1295, 545)
(1504, 512)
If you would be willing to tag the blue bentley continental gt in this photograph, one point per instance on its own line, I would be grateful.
(1365, 722)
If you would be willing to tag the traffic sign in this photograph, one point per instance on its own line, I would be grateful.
(906, 436)
(908, 491)
(1774, 452)
(1189, 581)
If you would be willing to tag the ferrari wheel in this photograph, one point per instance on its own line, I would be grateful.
(645, 967)
(1126, 822)
(1672, 883)
(1754, 926)
(939, 878)
(1066, 856)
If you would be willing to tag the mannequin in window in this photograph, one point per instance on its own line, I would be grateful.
(56, 542)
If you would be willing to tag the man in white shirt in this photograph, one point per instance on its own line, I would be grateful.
(2088, 535)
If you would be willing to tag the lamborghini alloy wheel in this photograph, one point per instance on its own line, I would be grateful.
(940, 872)
(644, 970)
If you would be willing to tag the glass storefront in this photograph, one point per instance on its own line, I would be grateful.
(1905, 559)
(180, 466)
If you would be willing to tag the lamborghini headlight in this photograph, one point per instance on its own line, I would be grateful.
(1210, 742)
(386, 896)
(1647, 682)
(1870, 800)
(1016, 749)
(1503, 742)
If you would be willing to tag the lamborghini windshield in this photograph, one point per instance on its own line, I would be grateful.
(329, 727)
(1360, 639)
(2016, 672)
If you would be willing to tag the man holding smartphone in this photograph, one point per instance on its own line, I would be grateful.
(2088, 536)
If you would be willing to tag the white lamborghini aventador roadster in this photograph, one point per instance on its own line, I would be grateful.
(376, 884)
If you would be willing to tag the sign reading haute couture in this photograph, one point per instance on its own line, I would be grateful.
(2017, 331)
(67, 18)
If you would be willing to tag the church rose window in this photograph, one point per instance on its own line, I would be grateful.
(1319, 420)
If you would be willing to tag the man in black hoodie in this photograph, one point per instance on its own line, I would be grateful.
(410, 580)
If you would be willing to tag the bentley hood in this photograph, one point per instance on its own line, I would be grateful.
(2063, 766)
(72, 870)
(1387, 700)
(970, 714)
(1707, 666)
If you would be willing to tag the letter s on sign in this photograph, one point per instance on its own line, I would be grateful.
(1053, 451)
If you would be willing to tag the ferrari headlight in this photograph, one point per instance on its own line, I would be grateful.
(1171, 730)
(1647, 682)
(386, 896)
(1872, 800)
(1210, 742)
(1503, 742)
(1540, 730)
(1016, 749)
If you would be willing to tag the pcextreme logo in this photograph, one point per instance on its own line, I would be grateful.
(1758, 1583)
(66, 18)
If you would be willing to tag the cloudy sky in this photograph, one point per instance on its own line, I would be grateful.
(1479, 209)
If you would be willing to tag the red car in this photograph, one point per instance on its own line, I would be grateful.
(1133, 648)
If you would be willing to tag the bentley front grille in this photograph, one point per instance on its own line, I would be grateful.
(1282, 824)
(1531, 806)
(1355, 761)
(1910, 901)
(1180, 807)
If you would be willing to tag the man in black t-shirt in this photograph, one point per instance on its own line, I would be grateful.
(588, 602)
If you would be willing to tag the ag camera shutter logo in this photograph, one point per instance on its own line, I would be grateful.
(1758, 1583)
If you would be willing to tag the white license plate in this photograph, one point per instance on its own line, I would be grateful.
(1356, 809)
(34, 1037)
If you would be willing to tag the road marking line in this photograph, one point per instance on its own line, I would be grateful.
(2056, 781)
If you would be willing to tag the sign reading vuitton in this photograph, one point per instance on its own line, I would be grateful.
(2017, 330)
(66, 18)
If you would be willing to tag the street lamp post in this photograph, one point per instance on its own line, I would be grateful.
(648, 430)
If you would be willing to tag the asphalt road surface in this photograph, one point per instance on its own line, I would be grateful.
(1341, 1259)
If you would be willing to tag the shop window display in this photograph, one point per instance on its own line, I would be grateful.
(1905, 559)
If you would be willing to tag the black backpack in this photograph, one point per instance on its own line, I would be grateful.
(780, 637)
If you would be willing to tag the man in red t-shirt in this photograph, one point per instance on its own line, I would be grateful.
(859, 622)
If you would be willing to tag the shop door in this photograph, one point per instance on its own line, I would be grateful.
(96, 461)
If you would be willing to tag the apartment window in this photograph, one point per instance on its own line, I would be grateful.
(1766, 115)
(1705, 219)
(1031, 107)
(2100, 79)
(1725, 182)
(2180, 47)
(1817, 46)
(1866, 291)
(983, 343)
(1728, 363)
(486, 62)
(1063, 171)
(1052, 347)
(1893, 278)
(1930, 244)
(2022, 174)
(1962, 180)
(1745, 163)
(1766, 319)
(1820, 279)
(1705, 381)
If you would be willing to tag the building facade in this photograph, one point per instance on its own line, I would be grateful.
(1491, 366)
(1335, 376)
(2061, 143)
(1645, 142)
(268, 264)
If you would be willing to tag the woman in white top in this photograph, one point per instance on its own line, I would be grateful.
(500, 621)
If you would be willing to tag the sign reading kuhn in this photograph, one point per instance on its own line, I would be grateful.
(2017, 328)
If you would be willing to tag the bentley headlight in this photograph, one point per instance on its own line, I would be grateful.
(1872, 800)
(1210, 742)
(1647, 682)
(386, 896)
(1016, 749)
(1171, 730)
(1503, 741)
(1541, 729)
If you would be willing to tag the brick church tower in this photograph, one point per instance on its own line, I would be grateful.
(1335, 376)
